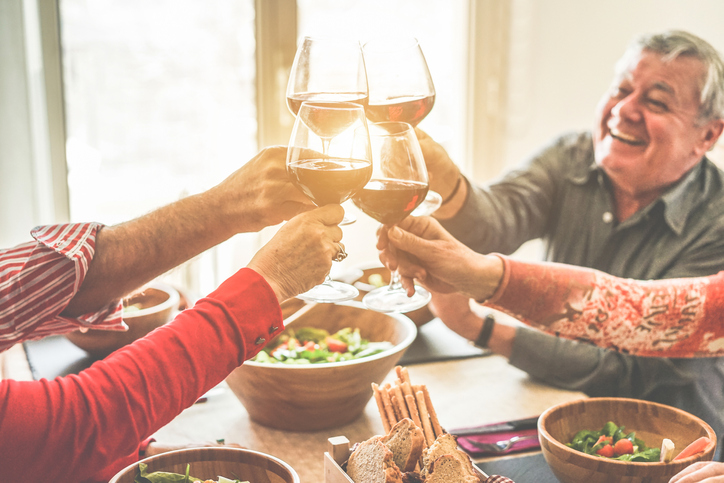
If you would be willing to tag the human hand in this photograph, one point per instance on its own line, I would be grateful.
(260, 194)
(300, 255)
(419, 248)
(442, 171)
(709, 471)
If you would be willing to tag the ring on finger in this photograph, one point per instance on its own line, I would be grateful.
(341, 254)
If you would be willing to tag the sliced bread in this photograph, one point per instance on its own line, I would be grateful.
(372, 462)
(406, 441)
(449, 469)
(445, 444)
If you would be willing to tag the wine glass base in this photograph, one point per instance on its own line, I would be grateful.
(330, 292)
(348, 219)
(388, 300)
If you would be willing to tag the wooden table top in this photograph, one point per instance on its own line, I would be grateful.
(465, 392)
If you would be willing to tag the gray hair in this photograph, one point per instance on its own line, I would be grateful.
(670, 44)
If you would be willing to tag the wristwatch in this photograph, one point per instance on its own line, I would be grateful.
(484, 336)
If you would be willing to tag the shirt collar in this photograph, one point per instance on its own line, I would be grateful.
(678, 202)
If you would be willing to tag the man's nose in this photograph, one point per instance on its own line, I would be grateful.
(628, 108)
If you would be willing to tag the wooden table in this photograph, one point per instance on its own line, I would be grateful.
(465, 392)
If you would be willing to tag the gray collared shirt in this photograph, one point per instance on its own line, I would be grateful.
(561, 196)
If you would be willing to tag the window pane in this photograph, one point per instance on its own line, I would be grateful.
(159, 97)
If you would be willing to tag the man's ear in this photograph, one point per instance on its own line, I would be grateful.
(711, 134)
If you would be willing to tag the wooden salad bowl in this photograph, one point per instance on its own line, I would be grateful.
(652, 422)
(212, 462)
(158, 302)
(319, 396)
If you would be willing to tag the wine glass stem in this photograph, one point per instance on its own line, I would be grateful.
(395, 283)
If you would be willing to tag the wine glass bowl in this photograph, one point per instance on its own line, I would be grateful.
(399, 81)
(398, 185)
(329, 159)
(327, 70)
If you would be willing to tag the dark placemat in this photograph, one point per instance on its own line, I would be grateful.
(435, 342)
(521, 469)
(55, 356)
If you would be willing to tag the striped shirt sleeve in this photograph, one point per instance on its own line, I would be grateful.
(38, 280)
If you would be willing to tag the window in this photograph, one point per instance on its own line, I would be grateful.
(160, 103)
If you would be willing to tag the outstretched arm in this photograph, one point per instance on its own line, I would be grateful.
(131, 254)
(671, 318)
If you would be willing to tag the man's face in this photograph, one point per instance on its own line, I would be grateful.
(646, 134)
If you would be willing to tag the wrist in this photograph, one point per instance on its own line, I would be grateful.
(486, 331)
(489, 271)
(455, 199)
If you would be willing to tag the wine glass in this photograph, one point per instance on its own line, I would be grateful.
(329, 160)
(327, 70)
(400, 89)
(398, 185)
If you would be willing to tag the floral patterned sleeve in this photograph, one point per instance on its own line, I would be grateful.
(659, 318)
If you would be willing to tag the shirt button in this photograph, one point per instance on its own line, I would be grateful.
(607, 217)
(260, 341)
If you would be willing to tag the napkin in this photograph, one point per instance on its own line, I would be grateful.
(492, 433)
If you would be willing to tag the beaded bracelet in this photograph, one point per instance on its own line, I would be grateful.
(455, 190)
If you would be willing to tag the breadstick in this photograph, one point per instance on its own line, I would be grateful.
(388, 404)
(424, 417)
(407, 391)
(413, 411)
(433, 415)
(403, 375)
(395, 406)
(381, 408)
(400, 402)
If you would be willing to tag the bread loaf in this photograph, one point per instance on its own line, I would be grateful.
(406, 441)
(372, 462)
(446, 445)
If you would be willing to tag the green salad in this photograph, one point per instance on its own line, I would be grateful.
(308, 345)
(144, 476)
(613, 442)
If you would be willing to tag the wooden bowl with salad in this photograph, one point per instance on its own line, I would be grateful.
(143, 312)
(318, 374)
(217, 464)
(601, 440)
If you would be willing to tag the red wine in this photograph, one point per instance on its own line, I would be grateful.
(295, 102)
(409, 109)
(390, 200)
(331, 180)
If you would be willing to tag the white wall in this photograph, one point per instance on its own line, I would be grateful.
(563, 53)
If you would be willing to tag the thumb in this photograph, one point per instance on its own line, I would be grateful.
(410, 243)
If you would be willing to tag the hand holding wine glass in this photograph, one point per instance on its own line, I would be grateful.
(329, 160)
(398, 185)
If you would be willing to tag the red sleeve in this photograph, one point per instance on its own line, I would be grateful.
(93, 422)
(660, 318)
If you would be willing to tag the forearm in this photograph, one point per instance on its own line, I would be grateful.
(131, 254)
(91, 420)
(671, 318)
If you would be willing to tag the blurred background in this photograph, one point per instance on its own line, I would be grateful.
(111, 108)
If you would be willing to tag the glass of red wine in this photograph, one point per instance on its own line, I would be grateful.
(329, 159)
(400, 89)
(398, 185)
(327, 70)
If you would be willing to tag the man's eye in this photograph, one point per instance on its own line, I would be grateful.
(657, 106)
